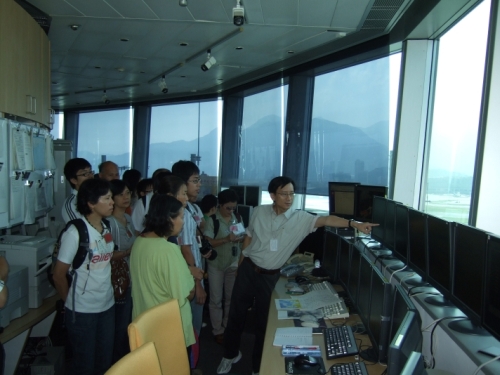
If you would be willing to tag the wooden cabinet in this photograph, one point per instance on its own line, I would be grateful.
(24, 65)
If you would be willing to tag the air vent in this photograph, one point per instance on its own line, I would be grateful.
(40, 17)
(382, 14)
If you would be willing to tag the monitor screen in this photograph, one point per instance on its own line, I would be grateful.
(363, 204)
(401, 233)
(414, 365)
(240, 190)
(252, 196)
(468, 271)
(390, 224)
(341, 198)
(378, 216)
(439, 247)
(401, 305)
(364, 289)
(246, 213)
(417, 256)
(344, 263)
(354, 276)
(491, 315)
(406, 340)
(330, 254)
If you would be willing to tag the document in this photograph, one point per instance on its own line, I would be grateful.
(293, 336)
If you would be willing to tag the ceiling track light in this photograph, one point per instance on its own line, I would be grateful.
(183, 3)
(162, 84)
(105, 98)
(238, 14)
(209, 63)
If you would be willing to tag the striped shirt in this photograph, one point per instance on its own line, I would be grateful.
(69, 211)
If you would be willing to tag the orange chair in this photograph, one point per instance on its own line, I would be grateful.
(144, 360)
(162, 325)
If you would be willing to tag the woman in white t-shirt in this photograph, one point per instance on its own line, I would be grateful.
(89, 300)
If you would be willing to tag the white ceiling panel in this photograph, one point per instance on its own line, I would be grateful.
(94, 8)
(137, 9)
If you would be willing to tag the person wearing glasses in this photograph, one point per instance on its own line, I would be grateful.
(273, 233)
(76, 171)
(222, 270)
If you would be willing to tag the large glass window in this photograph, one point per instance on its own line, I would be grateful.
(457, 102)
(261, 153)
(106, 135)
(58, 126)
(188, 131)
(352, 132)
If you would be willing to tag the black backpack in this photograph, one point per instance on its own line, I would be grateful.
(81, 253)
(217, 224)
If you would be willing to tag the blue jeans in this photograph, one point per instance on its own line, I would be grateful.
(91, 336)
(123, 317)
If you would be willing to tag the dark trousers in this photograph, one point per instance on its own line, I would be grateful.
(123, 317)
(249, 285)
(91, 337)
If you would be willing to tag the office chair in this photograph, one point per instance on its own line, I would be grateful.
(162, 325)
(144, 360)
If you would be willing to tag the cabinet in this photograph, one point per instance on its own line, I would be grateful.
(24, 65)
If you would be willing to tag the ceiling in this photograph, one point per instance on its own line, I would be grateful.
(125, 46)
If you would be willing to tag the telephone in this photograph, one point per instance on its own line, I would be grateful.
(301, 259)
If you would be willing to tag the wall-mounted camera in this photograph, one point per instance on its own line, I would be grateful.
(105, 98)
(238, 14)
(209, 63)
(163, 85)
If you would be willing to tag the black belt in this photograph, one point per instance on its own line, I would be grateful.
(261, 270)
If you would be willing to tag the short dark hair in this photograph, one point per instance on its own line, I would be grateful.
(169, 184)
(162, 209)
(158, 177)
(185, 169)
(132, 178)
(208, 202)
(143, 185)
(90, 191)
(226, 196)
(72, 167)
(117, 186)
(279, 182)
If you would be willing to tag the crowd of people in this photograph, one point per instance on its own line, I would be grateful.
(153, 231)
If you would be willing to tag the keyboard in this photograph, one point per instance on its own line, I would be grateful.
(354, 368)
(338, 309)
(339, 342)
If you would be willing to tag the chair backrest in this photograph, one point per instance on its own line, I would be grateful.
(162, 325)
(144, 360)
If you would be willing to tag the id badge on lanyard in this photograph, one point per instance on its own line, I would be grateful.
(273, 244)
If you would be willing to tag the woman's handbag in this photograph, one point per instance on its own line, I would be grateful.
(119, 277)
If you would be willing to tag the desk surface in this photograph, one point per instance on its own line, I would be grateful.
(28, 320)
(273, 362)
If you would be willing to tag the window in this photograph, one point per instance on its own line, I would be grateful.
(188, 131)
(354, 111)
(106, 135)
(58, 126)
(457, 102)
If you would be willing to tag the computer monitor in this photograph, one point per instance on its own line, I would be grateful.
(381, 300)
(344, 263)
(406, 340)
(246, 213)
(354, 275)
(240, 190)
(414, 365)
(331, 250)
(468, 277)
(401, 233)
(378, 216)
(364, 289)
(491, 313)
(363, 201)
(252, 196)
(341, 198)
(390, 224)
(439, 249)
(417, 234)
(400, 307)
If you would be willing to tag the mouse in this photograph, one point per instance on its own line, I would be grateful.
(303, 362)
(296, 289)
(309, 324)
(301, 280)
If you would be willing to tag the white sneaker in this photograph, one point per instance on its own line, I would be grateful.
(225, 364)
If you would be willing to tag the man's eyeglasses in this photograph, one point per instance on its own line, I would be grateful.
(85, 174)
(195, 181)
(231, 208)
(284, 195)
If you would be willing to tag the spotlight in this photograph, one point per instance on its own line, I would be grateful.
(209, 63)
(183, 3)
(163, 85)
(238, 14)
(105, 98)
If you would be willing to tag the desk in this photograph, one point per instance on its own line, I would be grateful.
(273, 362)
(36, 323)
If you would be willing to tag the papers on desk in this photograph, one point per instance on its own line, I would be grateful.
(309, 301)
(293, 336)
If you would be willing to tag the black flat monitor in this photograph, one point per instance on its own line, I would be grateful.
(364, 289)
(469, 260)
(331, 250)
(378, 216)
(246, 213)
(354, 275)
(378, 328)
(240, 190)
(344, 263)
(406, 340)
(390, 224)
(417, 234)
(363, 201)
(341, 198)
(252, 196)
(400, 307)
(401, 233)
(415, 365)
(491, 313)
(439, 250)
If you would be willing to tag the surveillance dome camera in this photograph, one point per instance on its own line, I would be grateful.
(208, 64)
(238, 15)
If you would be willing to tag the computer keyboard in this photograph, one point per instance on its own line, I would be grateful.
(338, 309)
(322, 286)
(353, 368)
(339, 342)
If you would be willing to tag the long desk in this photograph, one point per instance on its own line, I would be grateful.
(273, 362)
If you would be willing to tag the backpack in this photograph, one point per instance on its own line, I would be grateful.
(217, 224)
(81, 253)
